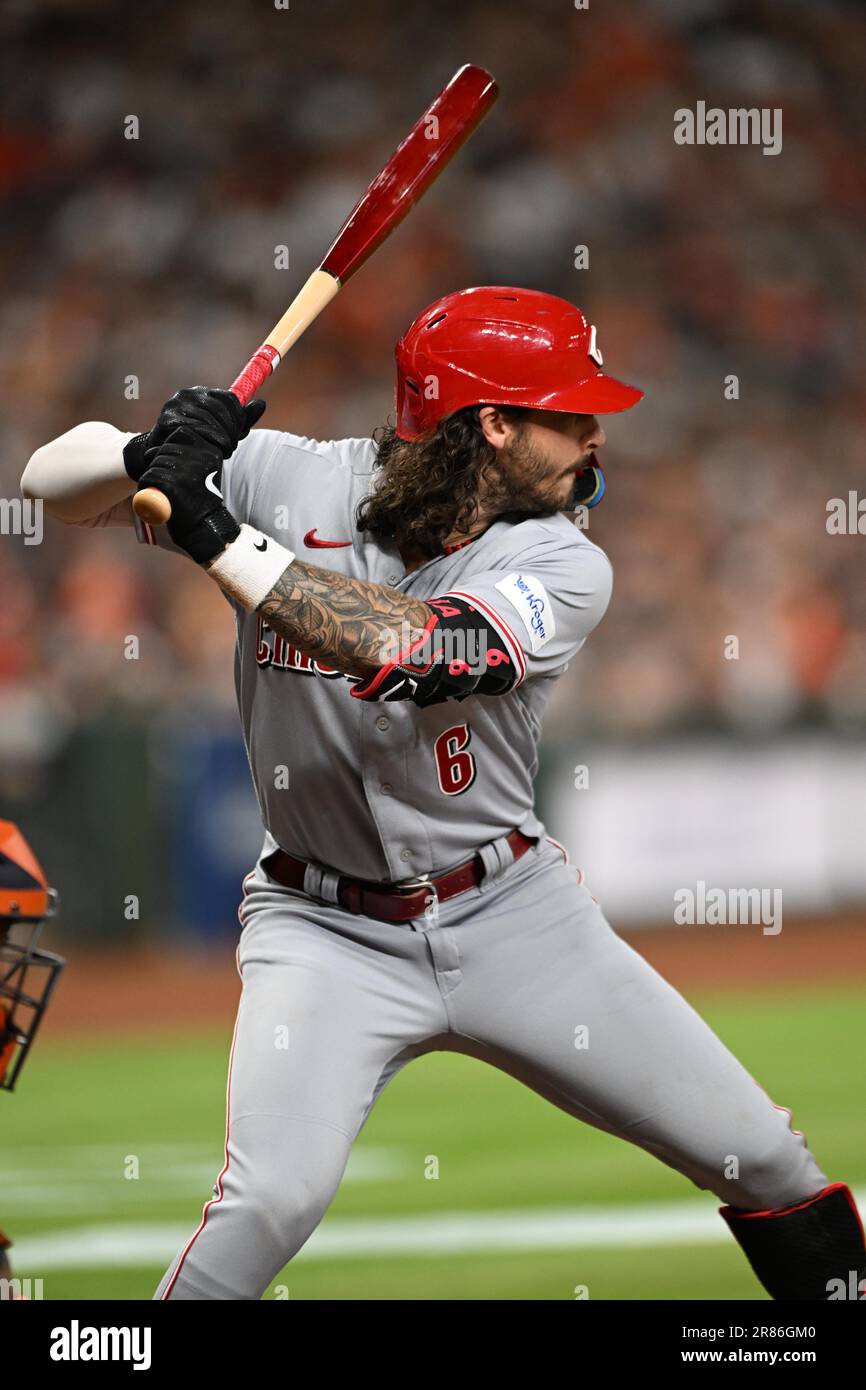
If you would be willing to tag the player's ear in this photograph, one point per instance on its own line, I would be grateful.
(496, 428)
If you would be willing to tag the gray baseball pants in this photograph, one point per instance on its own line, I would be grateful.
(523, 972)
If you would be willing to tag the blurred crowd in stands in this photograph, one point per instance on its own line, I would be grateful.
(153, 259)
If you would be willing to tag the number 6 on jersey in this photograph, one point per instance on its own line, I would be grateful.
(455, 766)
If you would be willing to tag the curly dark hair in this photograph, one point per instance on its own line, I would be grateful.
(427, 488)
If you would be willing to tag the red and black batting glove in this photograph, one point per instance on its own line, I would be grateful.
(188, 469)
(215, 416)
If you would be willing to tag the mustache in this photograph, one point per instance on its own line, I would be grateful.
(577, 471)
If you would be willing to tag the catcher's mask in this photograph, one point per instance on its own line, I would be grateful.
(27, 975)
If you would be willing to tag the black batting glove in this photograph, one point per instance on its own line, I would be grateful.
(215, 416)
(188, 469)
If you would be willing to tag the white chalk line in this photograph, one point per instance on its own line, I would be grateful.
(137, 1245)
(86, 1180)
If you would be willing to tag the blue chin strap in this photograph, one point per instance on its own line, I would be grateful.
(589, 487)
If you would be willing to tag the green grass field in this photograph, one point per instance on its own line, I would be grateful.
(512, 1170)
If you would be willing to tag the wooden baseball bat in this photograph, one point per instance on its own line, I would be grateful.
(431, 143)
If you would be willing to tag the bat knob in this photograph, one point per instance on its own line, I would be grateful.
(152, 506)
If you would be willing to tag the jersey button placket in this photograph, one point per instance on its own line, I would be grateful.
(384, 776)
(384, 787)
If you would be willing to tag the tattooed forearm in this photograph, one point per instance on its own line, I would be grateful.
(348, 623)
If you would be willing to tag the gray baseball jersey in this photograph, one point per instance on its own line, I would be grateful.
(389, 791)
(503, 972)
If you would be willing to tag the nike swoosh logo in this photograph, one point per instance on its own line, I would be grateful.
(263, 546)
(211, 485)
(313, 541)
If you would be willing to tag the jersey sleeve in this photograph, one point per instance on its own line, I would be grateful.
(241, 475)
(545, 606)
(272, 477)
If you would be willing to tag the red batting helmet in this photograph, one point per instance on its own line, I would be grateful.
(495, 345)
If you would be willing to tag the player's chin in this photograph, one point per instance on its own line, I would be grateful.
(565, 494)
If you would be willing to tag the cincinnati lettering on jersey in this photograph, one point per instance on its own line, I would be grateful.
(274, 650)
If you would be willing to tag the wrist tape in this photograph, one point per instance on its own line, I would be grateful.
(249, 567)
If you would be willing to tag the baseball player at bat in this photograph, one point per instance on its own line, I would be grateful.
(404, 604)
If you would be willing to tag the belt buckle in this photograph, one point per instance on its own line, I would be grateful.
(412, 885)
(408, 886)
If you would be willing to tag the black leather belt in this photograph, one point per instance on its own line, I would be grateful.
(393, 902)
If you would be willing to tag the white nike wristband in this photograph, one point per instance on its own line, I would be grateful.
(249, 568)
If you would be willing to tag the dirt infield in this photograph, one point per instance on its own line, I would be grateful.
(158, 990)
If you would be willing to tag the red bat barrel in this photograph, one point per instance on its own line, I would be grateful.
(430, 144)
